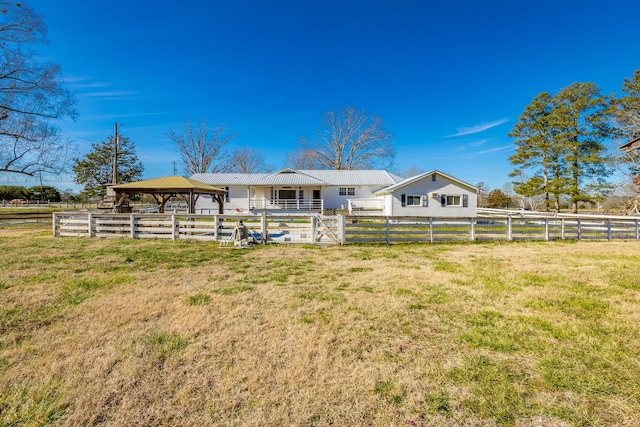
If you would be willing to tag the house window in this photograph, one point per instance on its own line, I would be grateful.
(433, 177)
(300, 193)
(347, 191)
(414, 201)
(226, 195)
(454, 200)
(287, 194)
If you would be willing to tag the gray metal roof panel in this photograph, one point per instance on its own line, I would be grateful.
(228, 179)
(353, 177)
(380, 178)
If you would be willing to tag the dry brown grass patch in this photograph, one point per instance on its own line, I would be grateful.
(165, 333)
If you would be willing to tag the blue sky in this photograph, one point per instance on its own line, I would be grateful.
(448, 78)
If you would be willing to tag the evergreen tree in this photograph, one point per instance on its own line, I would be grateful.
(536, 148)
(584, 123)
(628, 111)
(95, 170)
(562, 139)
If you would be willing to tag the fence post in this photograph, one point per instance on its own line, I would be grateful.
(342, 232)
(173, 227)
(579, 223)
(55, 222)
(546, 229)
(313, 229)
(263, 227)
(132, 226)
(431, 229)
(89, 220)
(215, 228)
(608, 229)
(473, 229)
(637, 231)
(509, 228)
(562, 228)
(387, 230)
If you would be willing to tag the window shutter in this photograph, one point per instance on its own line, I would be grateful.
(443, 200)
(403, 200)
(425, 200)
(465, 200)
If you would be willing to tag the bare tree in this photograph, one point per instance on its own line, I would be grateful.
(412, 170)
(302, 159)
(350, 139)
(202, 146)
(247, 160)
(483, 192)
(32, 96)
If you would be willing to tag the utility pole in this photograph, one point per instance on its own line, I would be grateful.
(174, 168)
(114, 179)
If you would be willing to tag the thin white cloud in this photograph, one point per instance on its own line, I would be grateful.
(478, 128)
(480, 142)
(495, 149)
(489, 151)
(112, 93)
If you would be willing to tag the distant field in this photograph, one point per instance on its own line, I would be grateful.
(131, 332)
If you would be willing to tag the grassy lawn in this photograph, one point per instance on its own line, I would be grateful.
(133, 332)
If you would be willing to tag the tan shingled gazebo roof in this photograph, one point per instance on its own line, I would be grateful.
(163, 189)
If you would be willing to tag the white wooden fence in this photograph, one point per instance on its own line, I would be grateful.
(394, 229)
(262, 229)
(343, 229)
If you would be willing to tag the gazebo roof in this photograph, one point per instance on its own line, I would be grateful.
(169, 184)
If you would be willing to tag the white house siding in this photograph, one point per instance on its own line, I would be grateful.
(333, 199)
(238, 200)
(427, 187)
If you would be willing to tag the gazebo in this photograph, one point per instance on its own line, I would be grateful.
(163, 189)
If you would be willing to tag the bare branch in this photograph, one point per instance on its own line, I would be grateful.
(202, 146)
(350, 139)
(31, 96)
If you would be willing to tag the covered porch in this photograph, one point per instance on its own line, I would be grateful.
(299, 198)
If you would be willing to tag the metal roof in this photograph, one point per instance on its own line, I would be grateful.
(228, 179)
(416, 178)
(302, 177)
(174, 184)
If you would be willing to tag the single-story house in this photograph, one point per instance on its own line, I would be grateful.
(361, 192)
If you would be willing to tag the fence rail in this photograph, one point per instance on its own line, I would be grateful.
(486, 228)
(270, 228)
(24, 217)
(261, 228)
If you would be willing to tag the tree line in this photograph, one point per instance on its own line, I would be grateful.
(346, 139)
(42, 193)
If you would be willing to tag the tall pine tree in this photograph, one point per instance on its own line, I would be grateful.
(584, 122)
(536, 148)
(562, 138)
(95, 170)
